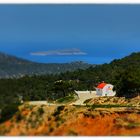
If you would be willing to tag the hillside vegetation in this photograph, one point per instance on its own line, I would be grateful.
(44, 120)
(118, 115)
(118, 101)
(124, 74)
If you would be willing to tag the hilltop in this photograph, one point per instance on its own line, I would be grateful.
(11, 66)
(42, 120)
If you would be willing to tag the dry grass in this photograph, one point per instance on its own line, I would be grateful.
(114, 101)
(72, 121)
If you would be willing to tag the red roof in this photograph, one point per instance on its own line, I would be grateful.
(101, 85)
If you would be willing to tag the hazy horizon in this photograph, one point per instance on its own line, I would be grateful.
(93, 33)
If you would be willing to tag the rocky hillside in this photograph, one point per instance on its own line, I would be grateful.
(11, 66)
(42, 120)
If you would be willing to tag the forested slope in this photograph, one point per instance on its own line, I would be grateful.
(124, 74)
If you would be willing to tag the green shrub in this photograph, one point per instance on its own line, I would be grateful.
(40, 111)
(66, 99)
(18, 117)
(107, 106)
(86, 101)
(94, 106)
(8, 111)
(58, 110)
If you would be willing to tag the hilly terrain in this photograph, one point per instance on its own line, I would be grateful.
(123, 73)
(101, 116)
(43, 120)
(11, 66)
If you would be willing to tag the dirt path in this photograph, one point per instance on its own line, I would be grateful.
(40, 103)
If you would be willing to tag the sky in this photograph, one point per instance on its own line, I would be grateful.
(91, 33)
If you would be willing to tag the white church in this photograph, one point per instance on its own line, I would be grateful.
(104, 89)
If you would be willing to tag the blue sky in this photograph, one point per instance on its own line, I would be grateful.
(64, 33)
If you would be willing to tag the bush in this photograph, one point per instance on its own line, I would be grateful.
(106, 106)
(88, 100)
(58, 110)
(8, 111)
(40, 111)
(19, 117)
(66, 99)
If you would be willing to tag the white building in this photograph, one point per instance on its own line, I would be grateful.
(104, 89)
(84, 95)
